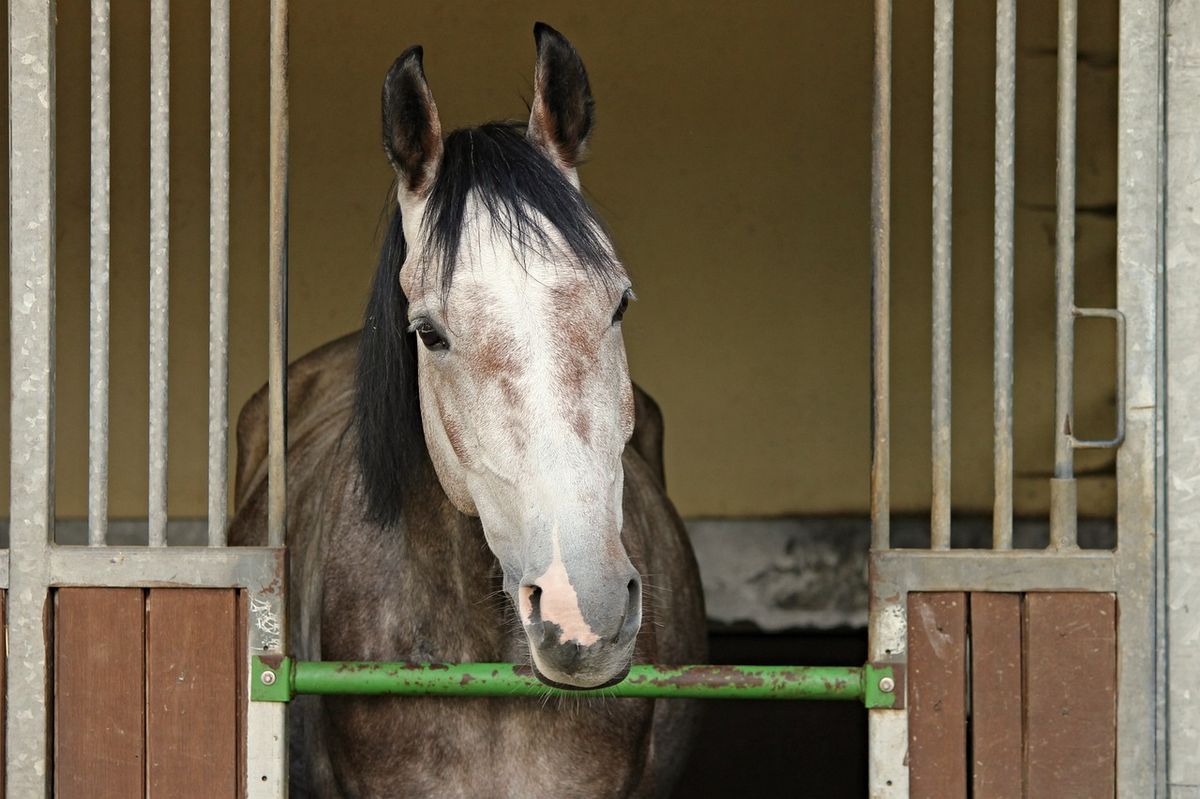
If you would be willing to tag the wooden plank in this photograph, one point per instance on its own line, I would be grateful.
(1070, 695)
(996, 740)
(937, 693)
(242, 616)
(191, 677)
(3, 692)
(99, 692)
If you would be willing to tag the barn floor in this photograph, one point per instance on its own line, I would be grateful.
(795, 749)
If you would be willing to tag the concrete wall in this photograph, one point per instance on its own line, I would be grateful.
(731, 160)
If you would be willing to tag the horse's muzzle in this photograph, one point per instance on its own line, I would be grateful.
(564, 658)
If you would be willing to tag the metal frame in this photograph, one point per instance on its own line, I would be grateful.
(1129, 571)
(34, 566)
(1133, 571)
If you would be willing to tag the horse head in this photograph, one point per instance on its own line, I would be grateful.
(507, 298)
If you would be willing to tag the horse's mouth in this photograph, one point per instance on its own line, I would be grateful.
(621, 675)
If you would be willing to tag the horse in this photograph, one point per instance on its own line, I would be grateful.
(474, 477)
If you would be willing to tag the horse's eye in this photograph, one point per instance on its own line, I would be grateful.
(619, 314)
(429, 335)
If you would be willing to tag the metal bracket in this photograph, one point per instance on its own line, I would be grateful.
(271, 678)
(884, 685)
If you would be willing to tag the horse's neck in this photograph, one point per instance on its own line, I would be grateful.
(427, 585)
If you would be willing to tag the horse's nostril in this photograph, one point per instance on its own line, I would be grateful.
(632, 619)
(535, 603)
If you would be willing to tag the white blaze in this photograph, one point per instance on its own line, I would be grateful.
(559, 602)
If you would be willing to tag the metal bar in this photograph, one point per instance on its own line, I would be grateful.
(1181, 627)
(887, 641)
(279, 680)
(1063, 534)
(881, 235)
(3, 570)
(266, 723)
(888, 729)
(1002, 365)
(218, 274)
(1141, 520)
(991, 570)
(31, 229)
(160, 155)
(199, 567)
(943, 112)
(98, 244)
(277, 467)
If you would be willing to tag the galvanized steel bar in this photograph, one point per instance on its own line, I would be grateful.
(286, 678)
(887, 641)
(160, 155)
(218, 274)
(277, 467)
(1002, 334)
(257, 568)
(1141, 519)
(266, 722)
(1181, 628)
(1014, 570)
(31, 229)
(887, 729)
(98, 244)
(881, 235)
(943, 112)
(1063, 490)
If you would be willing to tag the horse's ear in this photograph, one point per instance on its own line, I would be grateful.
(561, 116)
(412, 133)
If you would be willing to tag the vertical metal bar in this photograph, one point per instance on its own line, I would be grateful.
(31, 228)
(266, 722)
(277, 471)
(1141, 520)
(943, 111)
(160, 147)
(99, 247)
(888, 729)
(1062, 486)
(887, 641)
(1181, 626)
(1002, 375)
(218, 275)
(881, 235)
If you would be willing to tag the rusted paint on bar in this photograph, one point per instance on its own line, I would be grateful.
(277, 468)
(1002, 370)
(160, 164)
(943, 112)
(218, 274)
(1062, 520)
(881, 235)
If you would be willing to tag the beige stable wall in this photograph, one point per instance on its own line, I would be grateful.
(731, 159)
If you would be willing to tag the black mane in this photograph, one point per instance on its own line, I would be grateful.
(526, 196)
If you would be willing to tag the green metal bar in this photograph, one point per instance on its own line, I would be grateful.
(279, 679)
